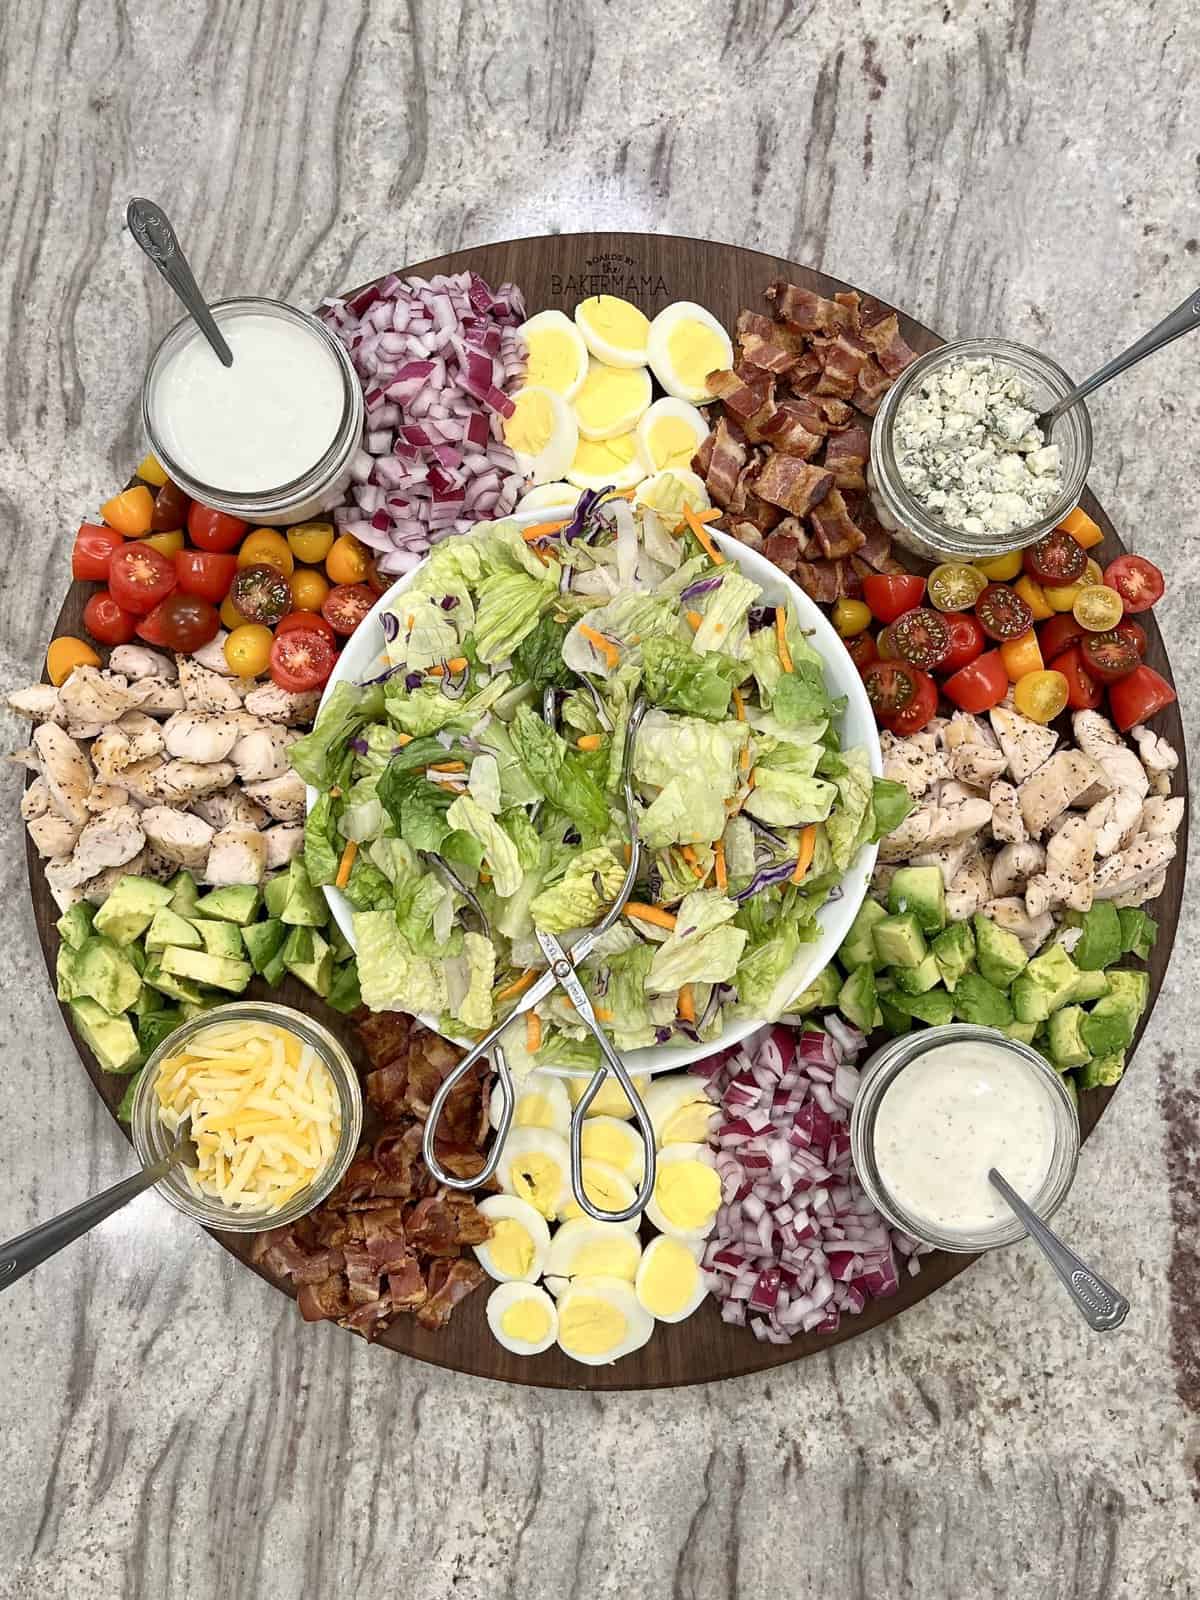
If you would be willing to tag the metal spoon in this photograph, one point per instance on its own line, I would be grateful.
(1182, 320)
(22, 1254)
(1101, 1306)
(149, 226)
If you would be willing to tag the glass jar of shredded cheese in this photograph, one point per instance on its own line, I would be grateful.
(275, 1108)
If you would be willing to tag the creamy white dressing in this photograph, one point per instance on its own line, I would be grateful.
(259, 424)
(949, 1116)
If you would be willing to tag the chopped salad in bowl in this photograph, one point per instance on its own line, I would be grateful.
(465, 776)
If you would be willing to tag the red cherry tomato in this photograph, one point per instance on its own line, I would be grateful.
(966, 640)
(301, 659)
(307, 619)
(980, 685)
(1136, 698)
(206, 573)
(183, 622)
(261, 594)
(1084, 693)
(140, 577)
(104, 620)
(1002, 613)
(213, 530)
(1138, 581)
(921, 637)
(890, 595)
(170, 509)
(1056, 559)
(920, 708)
(890, 686)
(862, 650)
(1059, 633)
(1134, 631)
(1109, 656)
(94, 545)
(346, 605)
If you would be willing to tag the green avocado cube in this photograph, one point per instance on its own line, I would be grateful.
(1054, 975)
(1132, 986)
(167, 983)
(184, 893)
(1100, 939)
(275, 893)
(75, 924)
(954, 951)
(125, 1108)
(263, 940)
(219, 972)
(921, 890)
(64, 972)
(1101, 1071)
(1000, 955)
(110, 1039)
(1089, 986)
(221, 938)
(1108, 1028)
(917, 980)
(856, 998)
(1022, 1031)
(103, 972)
(894, 1020)
(858, 945)
(130, 909)
(305, 907)
(1064, 1037)
(344, 993)
(307, 956)
(899, 941)
(935, 1007)
(169, 927)
(820, 994)
(978, 1001)
(274, 970)
(234, 902)
(1138, 932)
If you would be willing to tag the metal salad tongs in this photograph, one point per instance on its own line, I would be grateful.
(562, 973)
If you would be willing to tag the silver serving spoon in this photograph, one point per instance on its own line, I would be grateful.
(21, 1255)
(149, 226)
(1101, 1306)
(1182, 320)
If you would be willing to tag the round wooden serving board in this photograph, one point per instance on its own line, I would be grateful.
(652, 271)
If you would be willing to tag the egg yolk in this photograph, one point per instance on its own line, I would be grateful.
(609, 394)
(538, 1178)
(695, 351)
(599, 457)
(606, 1143)
(601, 1189)
(611, 1100)
(672, 443)
(689, 1125)
(590, 1325)
(510, 1247)
(688, 1193)
(612, 1257)
(527, 1321)
(552, 359)
(616, 322)
(534, 1111)
(531, 423)
(669, 1281)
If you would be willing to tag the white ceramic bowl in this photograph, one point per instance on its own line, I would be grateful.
(360, 659)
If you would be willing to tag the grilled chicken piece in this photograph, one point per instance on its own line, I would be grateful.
(1161, 817)
(109, 840)
(53, 835)
(261, 756)
(177, 836)
(212, 655)
(1114, 820)
(949, 859)
(121, 745)
(915, 762)
(144, 734)
(284, 799)
(964, 729)
(40, 703)
(1014, 865)
(278, 705)
(1096, 737)
(61, 883)
(135, 661)
(238, 855)
(141, 780)
(1146, 891)
(66, 770)
(194, 736)
(1057, 784)
(35, 802)
(104, 796)
(181, 782)
(97, 890)
(1141, 863)
(284, 841)
(897, 846)
(157, 866)
(1069, 877)
(91, 699)
(1012, 914)
(1008, 825)
(160, 696)
(206, 691)
(970, 890)
(229, 807)
(976, 765)
(1157, 756)
(1026, 744)
(964, 819)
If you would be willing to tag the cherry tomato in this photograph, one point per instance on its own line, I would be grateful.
(980, 685)
(955, 587)
(140, 578)
(890, 686)
(94, 545)
(310, 541)
(850, 617)
(261, 594)
(301, 660)
(151, 470)
(309, 588)
(1136, 698)
(921, 638)
(1022, 656)
(1058, 635)
(863, 650)
(1084, 693)
(1135, 632)
(1056, 559)
(1109, 656)
(183, 622)
(230, 616)
(167, 544)
(265, 547)
(1098, 608)
(130, 512)
(1001, 568)
(213, 530)
(346, 606)
(248, 649)
(347, 561)
(1002, 613)
(170, 509)
(966, 640)
(66, 653)
(1138, 582)
(886, 646)
(307, 619)
(206, 573)
(919, 710)
(105, 620)
(1040, 696)
(890, 595)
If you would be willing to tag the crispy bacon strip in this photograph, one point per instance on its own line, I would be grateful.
(836, 534)
(794, 485)
(846, 456)
(730, 454)
(789, 430)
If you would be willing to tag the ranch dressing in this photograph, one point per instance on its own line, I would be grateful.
(951, 1114)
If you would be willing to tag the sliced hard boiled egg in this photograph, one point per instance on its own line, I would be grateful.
(600, 1320)
(618, 1143)
(535, 1165)
(523, 1318)
(612, 400)
(560, 496)
(541, 432)
(606, 463)
(687, 1192)
(669, 435)
(669, 1283)
(610, 1099)
(668, 491)
(607, 1188)
(542, 1102)
(583, 1248)
(556, 357)
(520, 1240)
(680, 1110)
(686, 343)
(614, 331)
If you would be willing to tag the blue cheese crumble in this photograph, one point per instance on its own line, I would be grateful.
(967, 448)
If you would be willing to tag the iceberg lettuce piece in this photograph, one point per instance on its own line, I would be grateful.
(592, 881)
(483, 783)
(626, 620)
(425, 634)
(724, 616)
(705, 753)
(392, 976)
(499, 851)
(682, 813)
(789, 799)
(850, 820)
(475, 1008)
(678, 680)
(702, 948)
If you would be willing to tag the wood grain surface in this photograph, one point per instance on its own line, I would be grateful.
(653, 271)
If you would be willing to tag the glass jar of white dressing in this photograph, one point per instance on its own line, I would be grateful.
(269, 439)
(936, 1109)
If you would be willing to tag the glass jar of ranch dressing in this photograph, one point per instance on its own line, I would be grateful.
(271, 438)
(937, 1109)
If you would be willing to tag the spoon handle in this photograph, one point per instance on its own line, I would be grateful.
(1182, 320)
(1100, 1304)
(149, 225)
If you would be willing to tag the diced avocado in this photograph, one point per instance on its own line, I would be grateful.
(196, 1008)
(821, 993)
(64, 972)
(235, 902)
(899, 941)
(1134, 986)
(110, 1039)
(344, 994)
(152, 1030)
(305, 907)
(916, 980)
(978, 1001)
(263, 940)
(274, 970)
(169, 927)
(1108, 1028)
(167, 983)
(1101, 1070)
(1065, 1039)
(921, 890)
(856, 997)
(75, 925)
(102, 972)
(137, 955)
(125, 1109)
(275, 893)
(220, 972)
(858, 945)
(1072, 1088)
(1054, 975)
(894, 1020)
(1100, 940)
(936, 1007)
(130, 908)
(184, 893)
(221, 938)
(954, 951)
(1023, 1031)
(1138, 932)
(1000, 954)
(1089, 986)
(309, 958)
(342, 949)
(149, 1000)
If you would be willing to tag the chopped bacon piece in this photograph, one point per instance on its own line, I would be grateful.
(703, 456)
(846, 457)
(849, 303)
(793, 484)
(841, 359)
(747, 533)
(803, 310)
(440, 1225)
(836, 534)
(818, 579)
(896, 356)
(449, 1282)
(873, 383)
(879, 324)
(786, 545)
(328, 1299)
(754, 424)
(805, 375)
(740, 397)
(788, 430)
(835, 413)
(730, 454)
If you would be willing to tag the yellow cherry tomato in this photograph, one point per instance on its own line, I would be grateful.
(152, 470)
(850, 617)
(1097, 609)
(1034, 597)
(1021, 656)
(65, 654)
(310, 541)
(1082, 529)
(248, 649)
(130, 512)
(231, 617)
(1040, 696)
(999, 569)
(1061, 596)
(954, 586)
(168, 544)
(347, 560)
(1092, 576)
(309, 588)
(265, 547)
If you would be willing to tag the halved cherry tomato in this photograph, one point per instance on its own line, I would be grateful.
(890, 686)
(248, 649)
(182, 622)
(310, 541)
(66, 653)
(301, 660)
(1138, 581)
(921, 638)
(1109, 656)
(1058, 635)
(1139, 696)
(309, 588)
(1082, 529)
(954, 586)
(207, 573)
(1098, 608)
(1084, 693)
(265, 547)
(1021, 656)
(261, 594)
(94, 545)
(213, 530)
(1056, 559)
(151, 469)
(307, 619)
(966, 640)
(1001, 568)
(887, 645)
(980, 685)
(863, 650)
(919, 710)
(346, 606)
(348, 560)
(140, 578)
(1040, 696)
(1034, 597)
(1133, 630)
(105, 620)
(230, 616)
(170, 508)
(889, 595)
(130, 512)
(1002, 613)
(167, 544)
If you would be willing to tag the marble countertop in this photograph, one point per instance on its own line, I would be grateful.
(169, 1425)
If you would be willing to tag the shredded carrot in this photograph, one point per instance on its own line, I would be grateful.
(628, 854)
(693, 861)
(701, 533)
(686, 1004)
(448, 766)
(542, 530)
(808, 841)
(694, 620)
(345, 864)
(739, 705)
(518, 985)
(749, 780)
(744, 758)
(719, 863)
(590, 741)
(484, 875)
(601, 1013)
(403, 738)
(605, 646)
(713, 514)
(456, 664)
(785, 655)
(410, 619)
(645, 913)
(533, 1032)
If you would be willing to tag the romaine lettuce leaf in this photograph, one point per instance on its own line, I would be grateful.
(425, 633)
(846, 823)
(762, 968)
(393, 977)
(320, 756)
(789, 799)
(574, 901)
(362, 813)
(367, 889)
(539, 657)
(416, 807)
(499, 851)
(483, 782)
(702, 948)
(516, 787)
(705, 753)
(800, 697)
(475, 1009)
(677, 680)
(891, 803)
(631, 1027)
(724, 616)
(322, 850)
(559, 773)
(683, 812)
(629, 619)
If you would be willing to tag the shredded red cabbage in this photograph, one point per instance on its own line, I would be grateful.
(703, 586)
